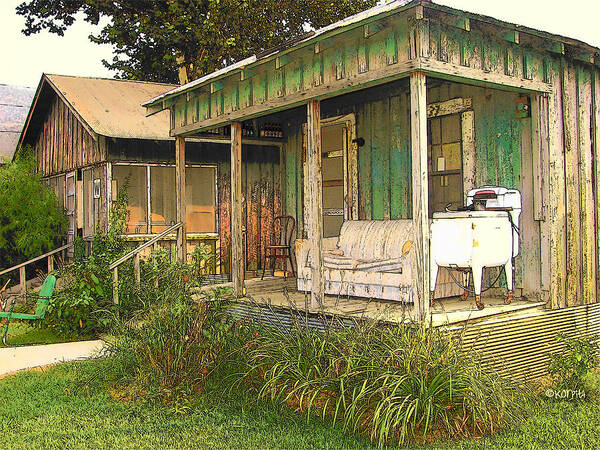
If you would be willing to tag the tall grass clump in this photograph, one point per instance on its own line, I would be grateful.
(397, 384)
(169, 349)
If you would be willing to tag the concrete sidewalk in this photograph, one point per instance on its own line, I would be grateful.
(13, 359)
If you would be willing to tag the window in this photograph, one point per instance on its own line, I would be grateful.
(201, 205)
(162, 201)
(134, 177)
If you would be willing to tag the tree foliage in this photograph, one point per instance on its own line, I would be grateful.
(31, 220)
(152, 39)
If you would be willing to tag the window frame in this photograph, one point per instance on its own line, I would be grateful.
(148, 166)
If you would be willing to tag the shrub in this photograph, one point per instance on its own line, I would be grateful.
(31, 221)
(395, 384)
(169, 349)
(569, 367)
(79, 307)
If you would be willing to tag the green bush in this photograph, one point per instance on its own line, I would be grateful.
(83, 304)
(569, 367)
(31, 220)
(397, 384)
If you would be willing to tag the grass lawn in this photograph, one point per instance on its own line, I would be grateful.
(21, 333)
(45, 409)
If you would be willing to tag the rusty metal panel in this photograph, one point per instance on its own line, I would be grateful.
(113, 107)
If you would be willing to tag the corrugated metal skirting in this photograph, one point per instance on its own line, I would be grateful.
(518, 347)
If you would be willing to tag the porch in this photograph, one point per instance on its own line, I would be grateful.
(281, 294)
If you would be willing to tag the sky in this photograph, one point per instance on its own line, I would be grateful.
(25, 58)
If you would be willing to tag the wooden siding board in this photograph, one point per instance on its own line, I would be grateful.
(400, 167)
(573, 186)
(380, 173)
(596, 161)
(586, 181)
(364, 164)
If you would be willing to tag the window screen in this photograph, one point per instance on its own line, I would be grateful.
(200, 199)
(163, 197)
(134, 177)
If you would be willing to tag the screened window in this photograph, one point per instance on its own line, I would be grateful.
(201, 199)
(162, 201)
(134, 178)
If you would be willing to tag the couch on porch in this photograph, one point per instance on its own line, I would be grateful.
(371, 258)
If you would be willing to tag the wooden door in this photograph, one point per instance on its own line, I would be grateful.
(445, 162)
(339, 173)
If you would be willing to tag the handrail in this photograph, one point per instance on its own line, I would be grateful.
(148, 243)
(45, 255)
(21, 267)
(136, 262)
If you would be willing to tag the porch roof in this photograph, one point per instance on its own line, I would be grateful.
(367, 49)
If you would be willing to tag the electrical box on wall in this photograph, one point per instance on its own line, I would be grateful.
(523, 109)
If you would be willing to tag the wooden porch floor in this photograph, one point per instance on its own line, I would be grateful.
(280, 292)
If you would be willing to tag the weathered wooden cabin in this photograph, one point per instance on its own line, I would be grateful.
(389, 115)
(91, 137)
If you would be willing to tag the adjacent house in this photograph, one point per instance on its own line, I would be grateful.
(91, 138)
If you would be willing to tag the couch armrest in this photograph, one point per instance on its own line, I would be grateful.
(303, 250)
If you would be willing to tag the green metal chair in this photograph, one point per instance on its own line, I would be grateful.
(40, 309)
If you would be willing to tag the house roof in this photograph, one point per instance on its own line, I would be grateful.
(379, 11)
(106, 107)
(14, 106)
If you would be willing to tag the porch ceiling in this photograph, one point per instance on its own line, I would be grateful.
(382, 44)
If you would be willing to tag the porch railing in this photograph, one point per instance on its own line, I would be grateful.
(135, 254)
(21, 267)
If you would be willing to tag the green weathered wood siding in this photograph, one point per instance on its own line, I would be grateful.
(384, 163)
(429, 38)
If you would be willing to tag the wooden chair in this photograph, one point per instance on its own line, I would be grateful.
(283, 249)
(40, 310)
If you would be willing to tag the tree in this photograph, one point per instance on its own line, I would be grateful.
(31, 221)
(156, 40)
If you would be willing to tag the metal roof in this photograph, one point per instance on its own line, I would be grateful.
(111, 107)
(381, 10)
(14, 106)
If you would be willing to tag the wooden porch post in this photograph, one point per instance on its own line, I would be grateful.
(420, 191)
(181, 203)
(237, 255)
(314, 201)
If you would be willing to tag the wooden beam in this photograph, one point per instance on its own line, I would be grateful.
(216, 86)
(476, 77)
(23, 280)
(420, 191)
(512, 36)
(237, 255)
(180, 198)
(314, 202)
